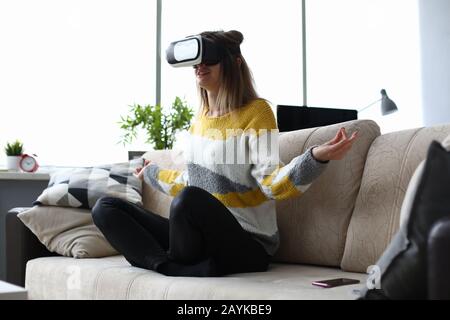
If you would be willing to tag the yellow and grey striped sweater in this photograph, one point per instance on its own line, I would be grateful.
(235, 157)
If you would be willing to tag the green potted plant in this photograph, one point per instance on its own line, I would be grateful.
(159, 126)
(14, 152)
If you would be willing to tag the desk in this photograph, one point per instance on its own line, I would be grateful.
(17, 189)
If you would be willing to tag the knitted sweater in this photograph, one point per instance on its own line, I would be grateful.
(235, 158)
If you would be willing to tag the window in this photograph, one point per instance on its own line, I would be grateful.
(356, 48)
(271, 47)
(69, 69)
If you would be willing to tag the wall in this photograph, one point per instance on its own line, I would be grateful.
(435, 51)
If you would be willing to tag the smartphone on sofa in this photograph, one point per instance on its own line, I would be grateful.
(331, 283)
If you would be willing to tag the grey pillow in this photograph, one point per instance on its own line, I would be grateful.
(82, 187)
(69, 232)
(402, 267)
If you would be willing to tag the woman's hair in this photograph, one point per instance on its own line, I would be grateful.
(237, 86)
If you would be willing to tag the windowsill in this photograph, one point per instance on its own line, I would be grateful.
(17, 175)
(42, 174)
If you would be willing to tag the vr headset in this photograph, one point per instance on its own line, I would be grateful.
(195, 50)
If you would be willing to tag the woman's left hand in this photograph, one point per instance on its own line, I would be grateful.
(139, 172)
(336, 148)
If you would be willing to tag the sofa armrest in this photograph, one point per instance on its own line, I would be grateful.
(21, 245)
(439, 260)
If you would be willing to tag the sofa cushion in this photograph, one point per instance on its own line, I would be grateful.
(82, 187)
(313, 227)
(114, 278)
(67, 231)
(391, 161)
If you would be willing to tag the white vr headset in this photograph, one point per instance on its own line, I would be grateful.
(195, 50)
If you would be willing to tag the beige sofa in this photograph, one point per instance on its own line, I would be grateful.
(338, 228)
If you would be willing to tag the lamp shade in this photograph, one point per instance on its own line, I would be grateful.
(387, 105)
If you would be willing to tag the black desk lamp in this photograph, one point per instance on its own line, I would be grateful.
(291, 118)
(387, 105)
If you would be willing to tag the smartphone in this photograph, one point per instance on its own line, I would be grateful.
(331, 283)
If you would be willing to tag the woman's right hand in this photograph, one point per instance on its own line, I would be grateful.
(336, 148)
(139, 172)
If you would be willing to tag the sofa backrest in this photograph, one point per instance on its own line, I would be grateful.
(313, 227)
(391, 161)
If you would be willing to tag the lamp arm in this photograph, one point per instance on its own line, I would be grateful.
(370, 105)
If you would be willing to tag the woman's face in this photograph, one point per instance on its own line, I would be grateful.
(208, 77)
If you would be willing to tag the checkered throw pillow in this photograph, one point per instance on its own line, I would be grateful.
(82, 187)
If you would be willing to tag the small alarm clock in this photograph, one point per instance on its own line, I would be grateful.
(27, 163)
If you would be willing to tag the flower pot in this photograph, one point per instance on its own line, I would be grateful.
(12, 163)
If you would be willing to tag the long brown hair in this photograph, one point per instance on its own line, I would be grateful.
(237, 85)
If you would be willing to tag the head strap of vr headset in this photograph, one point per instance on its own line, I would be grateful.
(222, 47)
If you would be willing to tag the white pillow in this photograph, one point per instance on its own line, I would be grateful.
(69, 232)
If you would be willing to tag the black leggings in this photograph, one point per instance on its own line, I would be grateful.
(201, 237)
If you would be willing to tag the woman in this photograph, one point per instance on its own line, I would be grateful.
(222, 218)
